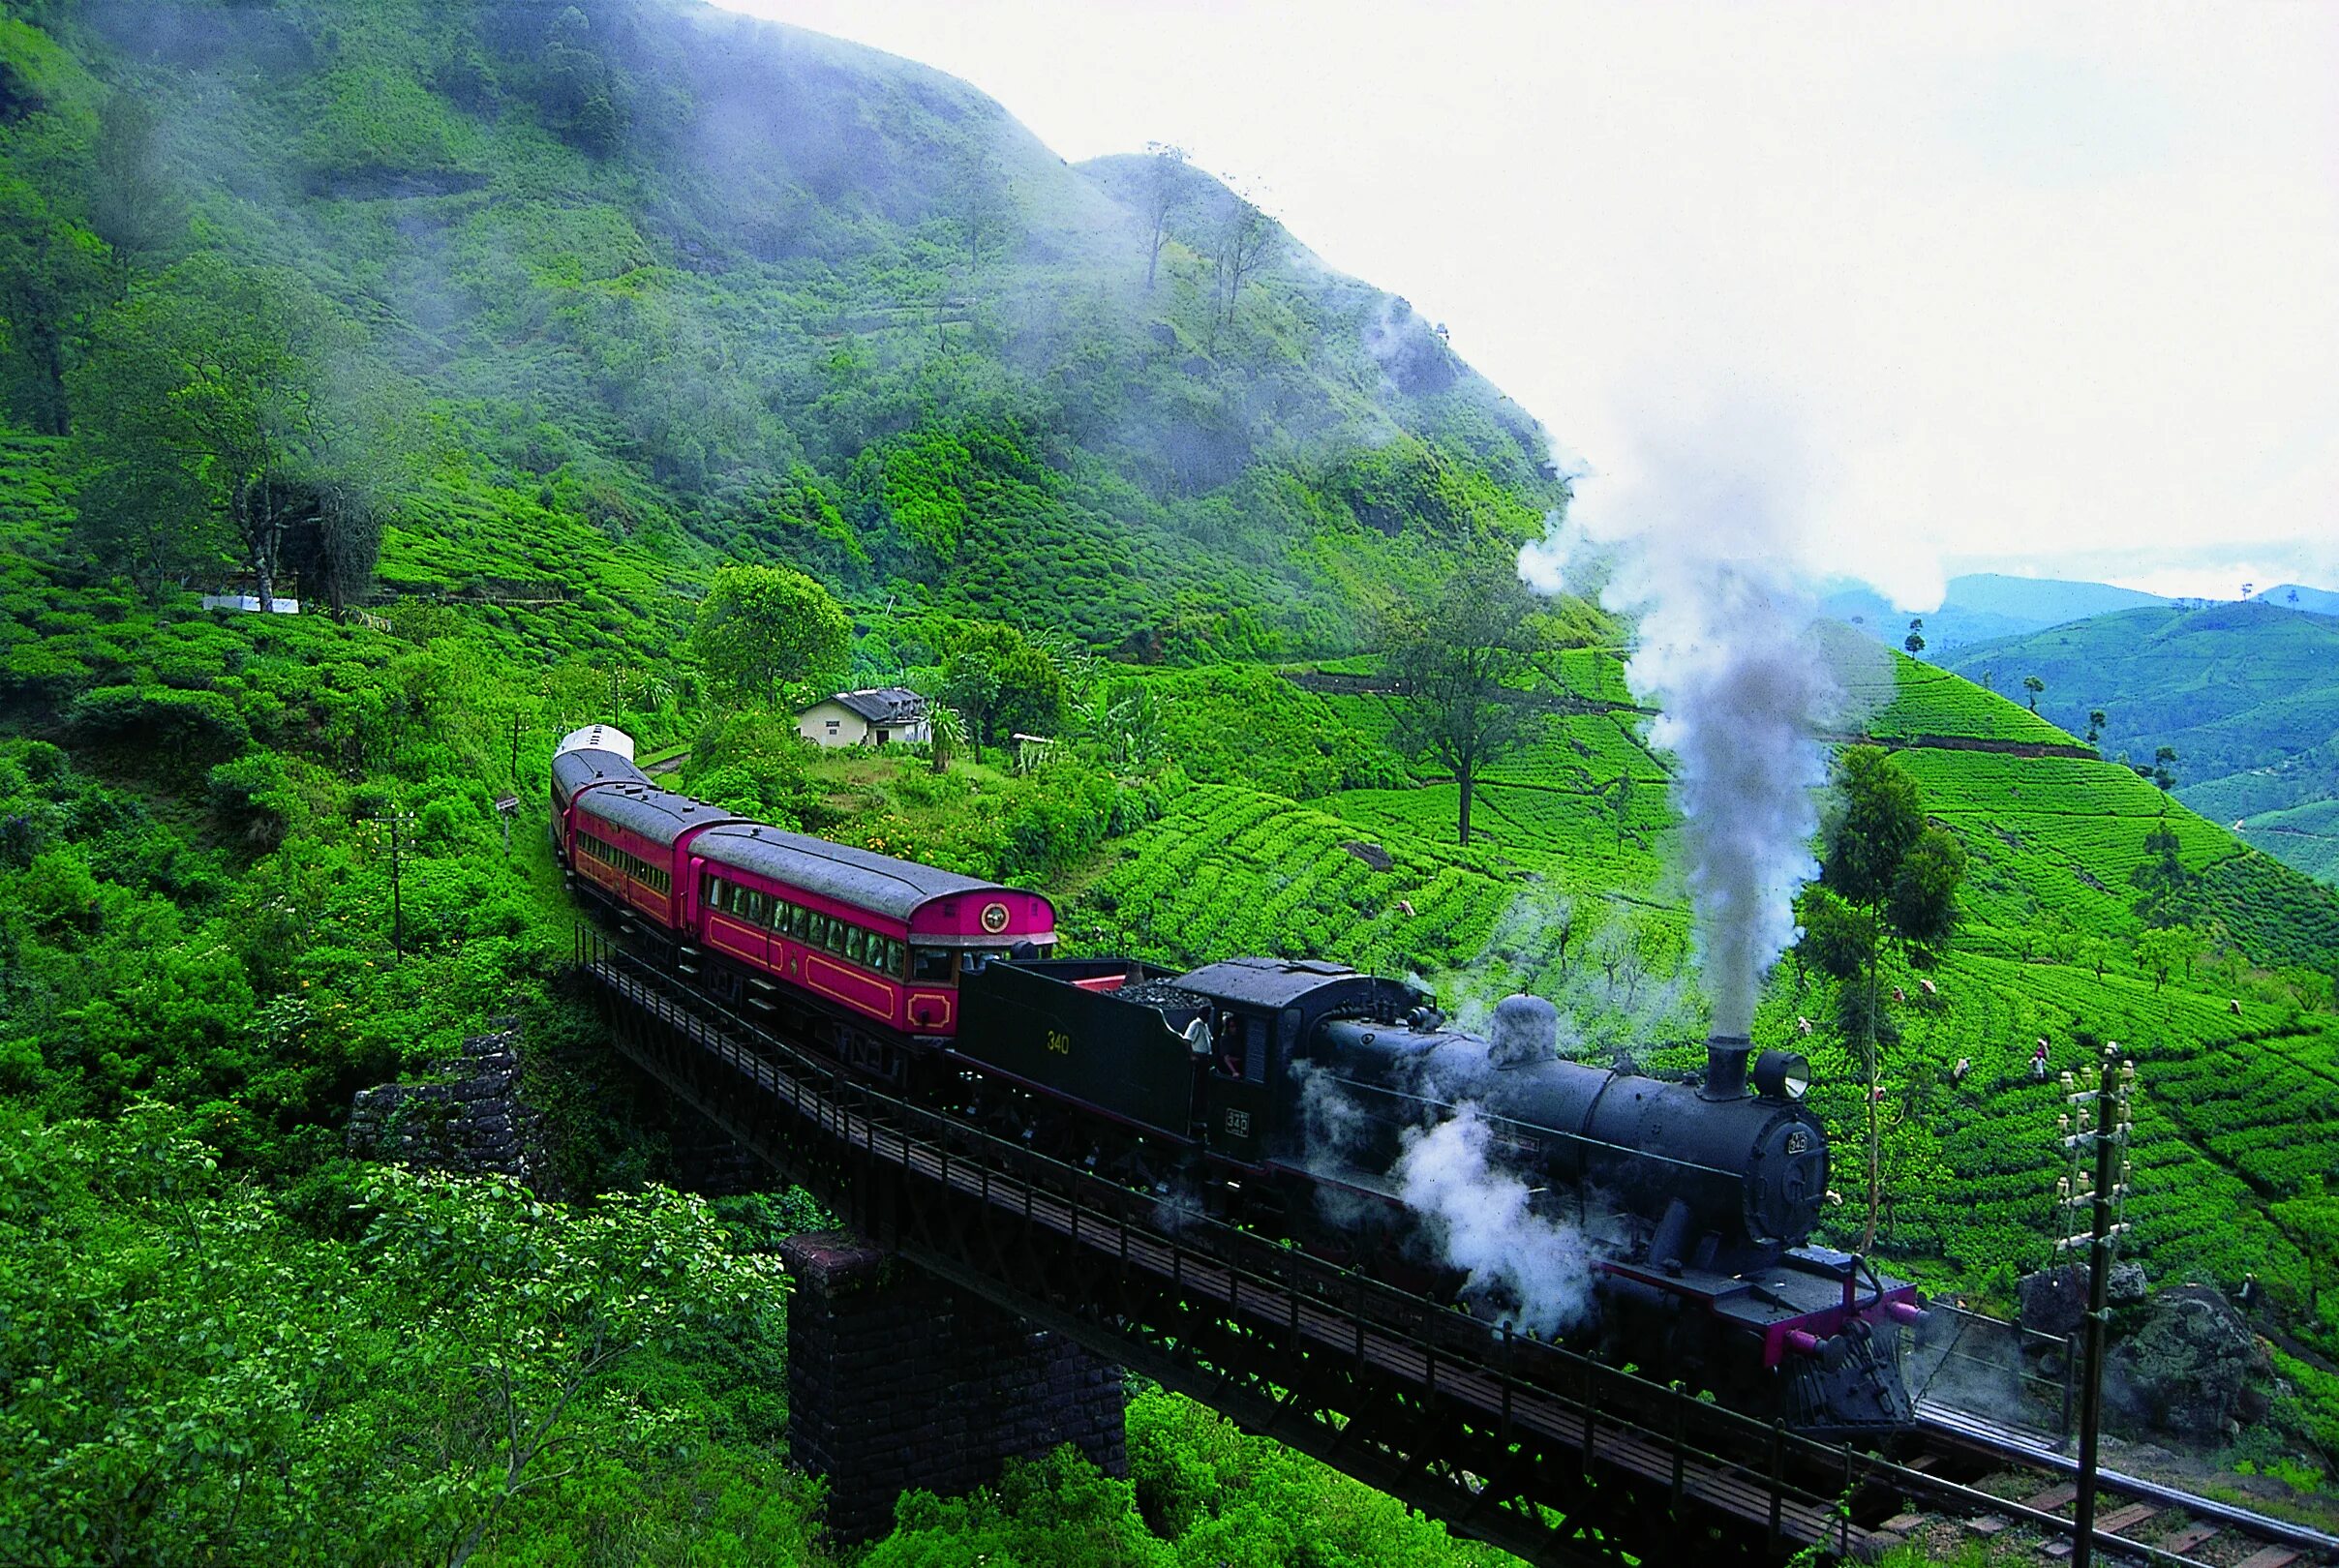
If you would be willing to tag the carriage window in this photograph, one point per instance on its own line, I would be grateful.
(897, 960)
(931, 965)
(856, 944)
(800, 920)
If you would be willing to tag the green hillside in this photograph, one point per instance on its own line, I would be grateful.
(580, 303)
(1982, 605)
(647, 272)
(2246, 694)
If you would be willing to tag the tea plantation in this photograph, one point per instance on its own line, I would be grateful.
(1565, 891)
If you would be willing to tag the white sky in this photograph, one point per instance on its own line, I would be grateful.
(2050, 289)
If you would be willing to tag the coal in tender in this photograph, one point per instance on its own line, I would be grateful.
(1153, 994)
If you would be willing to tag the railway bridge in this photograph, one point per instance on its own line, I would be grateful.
(1522, 1443)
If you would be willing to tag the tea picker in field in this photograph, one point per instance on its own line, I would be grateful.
(2038, 1061)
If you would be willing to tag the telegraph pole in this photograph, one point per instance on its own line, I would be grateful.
(2102, 1116)
(398, 821)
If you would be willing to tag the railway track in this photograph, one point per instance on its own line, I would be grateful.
(1792, 1492)
(2137, 1520)
(1677, 1453)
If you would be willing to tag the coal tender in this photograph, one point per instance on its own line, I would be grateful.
(1284, 1095)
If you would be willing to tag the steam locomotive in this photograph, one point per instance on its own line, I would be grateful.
(1283, 1095)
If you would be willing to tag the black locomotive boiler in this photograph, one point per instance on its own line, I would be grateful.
(1282, 1093)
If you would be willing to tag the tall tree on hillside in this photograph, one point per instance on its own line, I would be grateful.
(1004, 683)
(332, 540)
(1248, 240)
(1914, 642)
(767, 634)
(2095, 724)
(2033, 685)
(2167, 893)
(1163, 194)
(53, 279)
(218, 376)
(134, 205)
(1887, 882)
(1459, 667)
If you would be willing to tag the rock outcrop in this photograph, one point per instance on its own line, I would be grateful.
(2192, 1367)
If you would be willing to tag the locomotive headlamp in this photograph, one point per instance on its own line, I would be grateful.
(1781, 1074)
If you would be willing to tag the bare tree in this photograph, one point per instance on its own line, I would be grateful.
(1248, 241)
(1165, 192)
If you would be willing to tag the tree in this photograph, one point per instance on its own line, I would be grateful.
(53, 279)
(1248, 240)
(2162, 948)
(1457, 668)
(770, 633)
(2164, 767)
(1914, 642)
(1163, 193)
(215, 378)
(1006, 685)
(2167, 892)
(2095, 724)
(946, 731)
(2033, 685)
(332, 539)
(1887, 881)
(134, 205)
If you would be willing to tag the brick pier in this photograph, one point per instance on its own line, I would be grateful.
(898, 1381)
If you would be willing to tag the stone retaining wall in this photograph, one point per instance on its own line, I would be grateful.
(898, 1381)
(470, 1119)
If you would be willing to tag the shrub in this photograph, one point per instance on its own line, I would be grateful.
(189, 727)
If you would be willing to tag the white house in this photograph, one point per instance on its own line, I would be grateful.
(872, 717)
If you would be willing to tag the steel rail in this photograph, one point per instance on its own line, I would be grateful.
(1973, 1431)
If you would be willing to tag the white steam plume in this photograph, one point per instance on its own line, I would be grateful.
(1728, 659)
(1537, 1270)
(1701, 547)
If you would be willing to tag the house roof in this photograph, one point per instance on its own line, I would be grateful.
(881, 705)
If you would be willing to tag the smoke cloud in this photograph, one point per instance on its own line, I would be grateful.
(1522, 1265)
(1700, 544)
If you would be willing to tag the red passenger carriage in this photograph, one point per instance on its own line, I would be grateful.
(771, 917)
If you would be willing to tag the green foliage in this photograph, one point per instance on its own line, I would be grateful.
(167, 728)
(769, 634)
(1006, 685)
(536, 1368)
(1456, 668)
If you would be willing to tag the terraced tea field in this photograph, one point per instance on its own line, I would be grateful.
(1568, 891)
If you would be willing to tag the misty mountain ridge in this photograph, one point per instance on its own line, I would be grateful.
(710, 286)
(1981, 605)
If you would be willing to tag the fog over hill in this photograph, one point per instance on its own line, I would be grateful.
(713, 285)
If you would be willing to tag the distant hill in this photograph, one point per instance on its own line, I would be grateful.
(2298, 596)
(2247, 693)
(1983, 605)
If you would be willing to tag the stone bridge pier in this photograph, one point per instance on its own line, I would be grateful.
(898, 1381)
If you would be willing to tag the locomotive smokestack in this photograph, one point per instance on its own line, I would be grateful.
(1726, 1067)
(1525, 1029)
